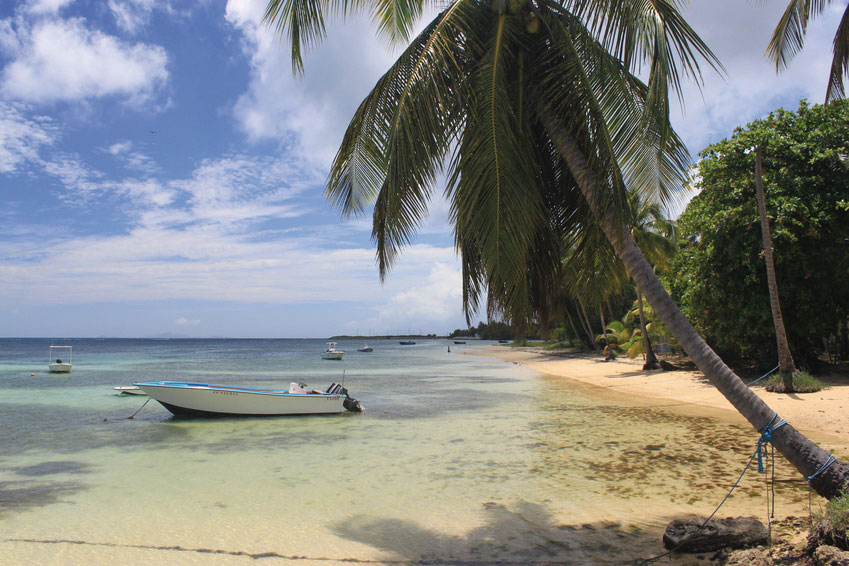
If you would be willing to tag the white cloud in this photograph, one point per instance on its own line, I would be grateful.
(240, 188)
(316, 107)
(63, 60)
(132, 15)
(46, 6)
(135, 160)
(21, 137)
(74, 175)
(183, 321)
(147, 192)
(435, 301)
(739, 32)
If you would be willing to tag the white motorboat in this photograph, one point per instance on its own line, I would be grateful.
(331, 353)
(203, 399)
(365, 348)
(57, 364)
(129, 390)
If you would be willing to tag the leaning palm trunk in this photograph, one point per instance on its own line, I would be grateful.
(588, 330)
(651, 359)
(786, 367)
(803, 454)
(603, 326)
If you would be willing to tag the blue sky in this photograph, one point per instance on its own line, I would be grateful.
(161, 170)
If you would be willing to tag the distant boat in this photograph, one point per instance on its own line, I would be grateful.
(56, 365)
(459, 341)
(365, 348)
(331, 353)
(504, 341)
(203, 399)
(406, 342)
(129, 390)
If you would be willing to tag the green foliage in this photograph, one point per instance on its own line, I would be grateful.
(484, 331)
(831, 525)
(719, 277)
(802, 383)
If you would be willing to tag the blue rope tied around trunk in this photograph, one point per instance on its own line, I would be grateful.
(831, 459)
(766, 436)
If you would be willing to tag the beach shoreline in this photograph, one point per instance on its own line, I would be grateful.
(822, 416)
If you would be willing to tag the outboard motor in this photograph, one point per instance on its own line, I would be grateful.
(349, 403)
(352, 405)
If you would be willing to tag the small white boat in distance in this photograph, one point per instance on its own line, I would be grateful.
(57, 364)
(203, 399)
(129, 390)
(331, 353)
(365, 348)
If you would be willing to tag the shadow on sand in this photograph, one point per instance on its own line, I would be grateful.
(525, 535)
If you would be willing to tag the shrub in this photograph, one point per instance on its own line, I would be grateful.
(831, 524)
(802, 383)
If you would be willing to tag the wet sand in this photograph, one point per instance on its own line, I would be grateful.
(822, 416)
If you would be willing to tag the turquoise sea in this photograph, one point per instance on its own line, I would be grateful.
(459, 458)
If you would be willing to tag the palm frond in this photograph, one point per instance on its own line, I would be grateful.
(840, 61)
(637, 31)
(789, 34)
(301, 21)
(492, 183)
(395, 18)
(395, 143)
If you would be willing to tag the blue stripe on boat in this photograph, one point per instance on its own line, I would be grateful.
(253, 390)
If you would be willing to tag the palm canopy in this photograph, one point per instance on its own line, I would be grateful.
(461, 99)
(789, 37)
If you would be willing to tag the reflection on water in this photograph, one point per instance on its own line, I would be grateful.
(457, 459)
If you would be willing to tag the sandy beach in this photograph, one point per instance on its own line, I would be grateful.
(822, 416)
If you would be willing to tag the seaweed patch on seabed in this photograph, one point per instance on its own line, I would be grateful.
(646, 450)
(22, 495)
(54, 467)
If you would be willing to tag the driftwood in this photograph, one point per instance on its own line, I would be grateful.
(690, 536)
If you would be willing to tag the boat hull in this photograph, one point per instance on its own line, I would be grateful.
(332, 355)
(203, 399)
(60, 368)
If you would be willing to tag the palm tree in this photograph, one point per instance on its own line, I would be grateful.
(786, 367)
(545, 125)
(789, 36)
(654, 234)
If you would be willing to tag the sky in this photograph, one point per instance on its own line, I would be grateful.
(162, 170)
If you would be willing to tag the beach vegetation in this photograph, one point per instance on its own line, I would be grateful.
(831, 523)
(541, 134)
(803, 382)
(719, 277)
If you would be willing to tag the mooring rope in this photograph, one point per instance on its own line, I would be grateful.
(770, 372)
(140, 408)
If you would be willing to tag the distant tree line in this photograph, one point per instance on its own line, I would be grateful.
(486, 331)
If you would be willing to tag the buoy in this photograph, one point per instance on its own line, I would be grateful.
(32, 374)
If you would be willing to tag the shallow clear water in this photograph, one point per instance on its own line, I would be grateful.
(457, 459)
